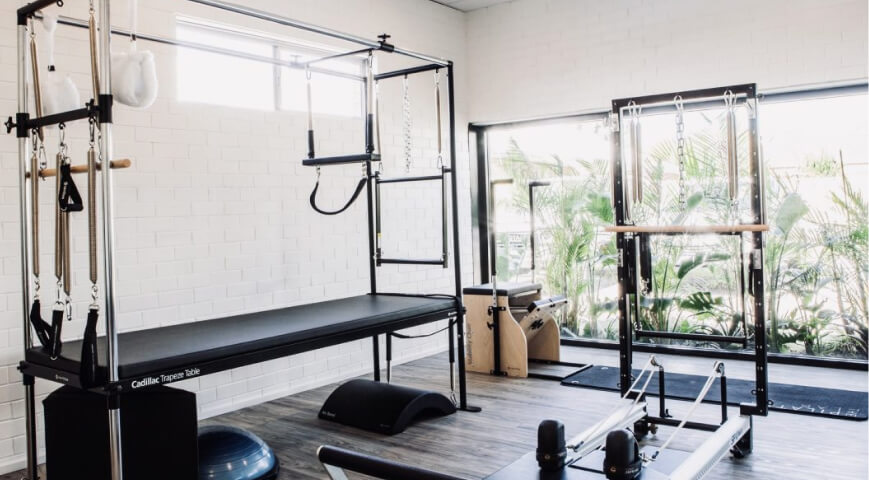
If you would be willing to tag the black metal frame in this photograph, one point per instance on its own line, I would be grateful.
(479, 150)
(628, 268)
(378, 250)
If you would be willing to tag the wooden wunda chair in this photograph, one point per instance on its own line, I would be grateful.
(501, 341)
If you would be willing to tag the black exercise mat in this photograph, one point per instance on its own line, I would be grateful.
(824, 402)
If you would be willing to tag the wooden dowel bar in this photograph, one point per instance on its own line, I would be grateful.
(687, 228)
(76, 169)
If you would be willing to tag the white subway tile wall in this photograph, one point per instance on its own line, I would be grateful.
(543, 57)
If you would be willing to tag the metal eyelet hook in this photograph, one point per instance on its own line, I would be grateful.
(729, 99)
(92, 130)
(318, 174)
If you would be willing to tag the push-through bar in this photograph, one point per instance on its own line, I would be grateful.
(341, 160)
(378, 255)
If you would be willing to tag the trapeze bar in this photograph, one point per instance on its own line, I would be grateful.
(341, 160)
(411, 179)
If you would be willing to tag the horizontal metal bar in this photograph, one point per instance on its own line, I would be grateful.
(341, 160)
(408, 71)
(426, 178)
(74, 22)
(28, 10)
(539, 183)
(674, 422)
(814, 91)
(778, 358)
(699, 337)
(581, 116)
(289, 22)
(409, 261)
(338, 55)
(58, 118)
(746, 90)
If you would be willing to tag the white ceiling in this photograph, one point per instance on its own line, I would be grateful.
(469, 5)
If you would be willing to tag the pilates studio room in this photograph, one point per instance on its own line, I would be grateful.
(434, 239)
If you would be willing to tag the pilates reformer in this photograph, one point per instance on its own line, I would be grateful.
(124, 362)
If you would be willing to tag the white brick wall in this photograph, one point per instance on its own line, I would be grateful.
(213, 218)
(542, 57)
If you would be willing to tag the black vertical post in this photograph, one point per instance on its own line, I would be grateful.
(375, 349)
(482, 202)
(388, 357)
(369, 194)
(457, 264)
(625, 329)
(756, 261)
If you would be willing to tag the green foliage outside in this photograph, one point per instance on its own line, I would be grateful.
(815, 257)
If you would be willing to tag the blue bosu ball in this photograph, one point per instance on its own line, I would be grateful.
(230, 453)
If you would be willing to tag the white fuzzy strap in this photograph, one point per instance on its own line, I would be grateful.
(134, 23)
(49, 23)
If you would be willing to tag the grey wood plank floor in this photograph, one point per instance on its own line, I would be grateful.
(473, 445)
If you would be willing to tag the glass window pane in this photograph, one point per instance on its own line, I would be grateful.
(817, 176)
(572, 255)
(218, 79)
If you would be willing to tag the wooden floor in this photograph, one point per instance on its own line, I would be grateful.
(473, 445)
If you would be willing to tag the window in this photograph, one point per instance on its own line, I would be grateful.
(233, 81)
(817, 259)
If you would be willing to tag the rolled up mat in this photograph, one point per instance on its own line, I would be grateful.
(230, 453)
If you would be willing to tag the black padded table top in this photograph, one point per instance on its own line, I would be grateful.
(504, 288)
(309, 326)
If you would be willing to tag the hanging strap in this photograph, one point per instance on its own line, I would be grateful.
(313, 198)
(42, 328)
(56, 327)
(68, 198)
(89, 358)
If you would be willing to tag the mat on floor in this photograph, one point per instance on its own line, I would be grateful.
(824, 402)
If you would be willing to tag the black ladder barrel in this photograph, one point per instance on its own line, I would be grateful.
(382, 407)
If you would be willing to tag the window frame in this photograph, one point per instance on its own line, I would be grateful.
(480, 176)
(281, 48)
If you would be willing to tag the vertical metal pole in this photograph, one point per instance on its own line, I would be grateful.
(625, 336)
(457, 264)
(531, 234)
(388, 357)
(105, 102)
(445, 249)
(482, 210)
(28, 381)
(756, 264)
(378, 250)
(375, 353)
(369, 193)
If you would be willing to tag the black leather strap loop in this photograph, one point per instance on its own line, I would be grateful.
(313, 199)
(89, 359)
(43, 330)
(68, 196)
